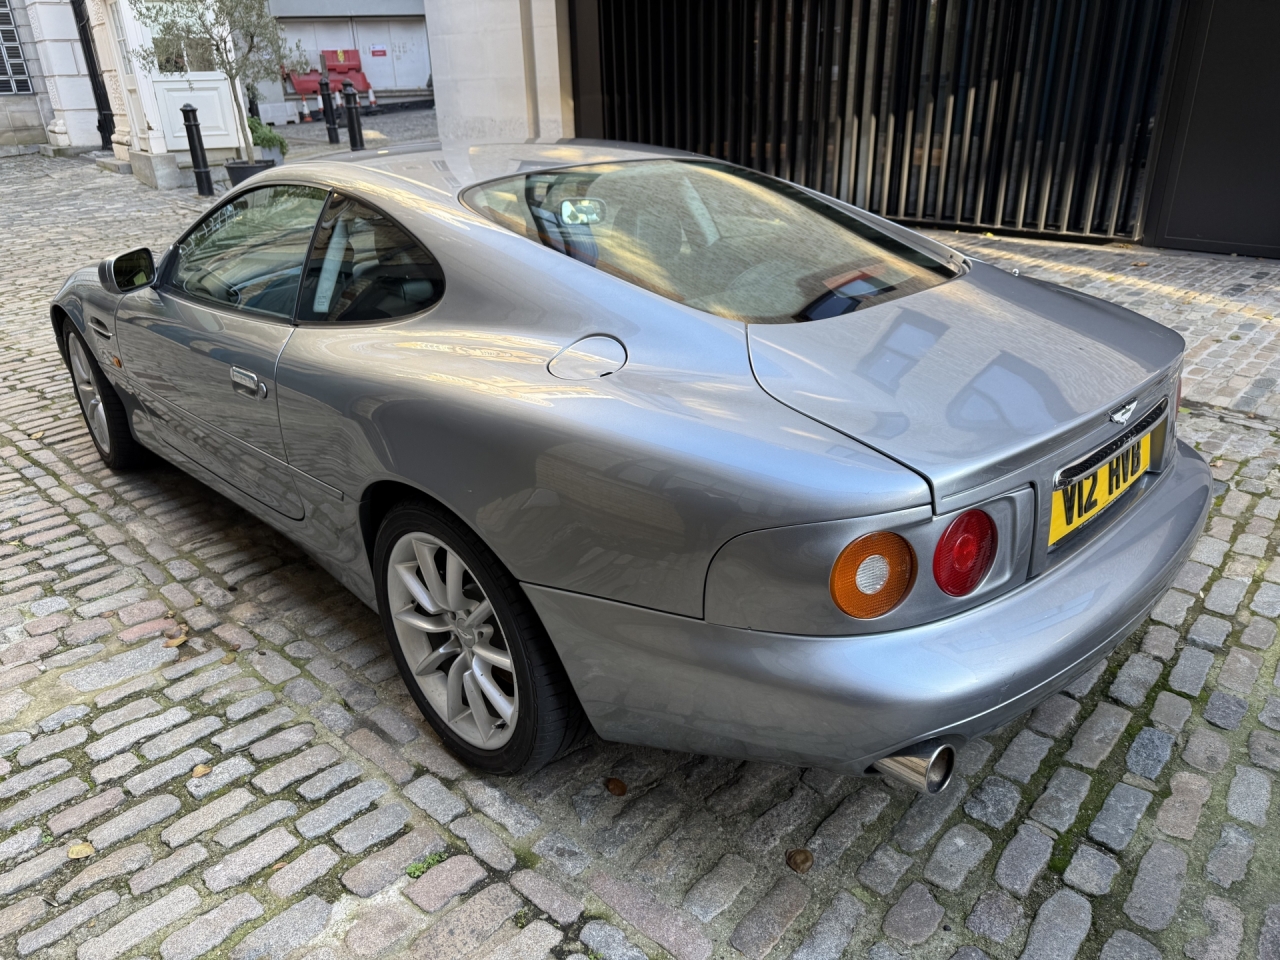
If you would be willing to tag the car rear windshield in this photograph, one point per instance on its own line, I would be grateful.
(721, 239)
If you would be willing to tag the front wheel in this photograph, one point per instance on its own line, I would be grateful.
(469, 645)
(104, 414)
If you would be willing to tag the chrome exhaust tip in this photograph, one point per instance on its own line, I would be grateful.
(925, 766)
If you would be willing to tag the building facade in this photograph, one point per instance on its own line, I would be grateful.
(51, 94)
(389, 36)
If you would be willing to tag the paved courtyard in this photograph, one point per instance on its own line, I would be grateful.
(265, 788)
(307, 140)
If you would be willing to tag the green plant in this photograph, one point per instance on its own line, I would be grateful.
(265, 136)
(239, 38)
(522, 917)
(419, 867)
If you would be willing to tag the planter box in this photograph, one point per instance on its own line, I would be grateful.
(241, 170)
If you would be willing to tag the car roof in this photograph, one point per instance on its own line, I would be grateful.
(453, 166)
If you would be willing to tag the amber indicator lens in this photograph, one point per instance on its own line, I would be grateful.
(872, 575)
(965, 553)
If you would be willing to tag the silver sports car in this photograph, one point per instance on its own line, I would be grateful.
(632, 439)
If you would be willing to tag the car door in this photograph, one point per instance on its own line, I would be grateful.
(365, 272)
(203, 344)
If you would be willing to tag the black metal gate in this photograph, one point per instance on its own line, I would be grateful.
(1026, 115)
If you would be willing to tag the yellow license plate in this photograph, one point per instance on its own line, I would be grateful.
(1077, 503)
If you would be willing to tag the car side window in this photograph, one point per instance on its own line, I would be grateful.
(365, 267)
(248, 254)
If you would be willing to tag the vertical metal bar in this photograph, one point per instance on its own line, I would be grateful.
(778, 85)
(1033, 107)
(1118, 9)
(1084, 94)
(1072, 41)
(865, 162)
(1055, 97)
(888, 117)
(826, 76)
(974, 77)
(1131, 121)
(910, 78)
(993, 113)
(950, 82)
(1012, 115)
(851, 93)
(801, 70)
(928, 93)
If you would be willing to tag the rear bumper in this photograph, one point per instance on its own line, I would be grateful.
(842, 702)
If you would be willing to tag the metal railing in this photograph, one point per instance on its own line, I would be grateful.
(1027, 115)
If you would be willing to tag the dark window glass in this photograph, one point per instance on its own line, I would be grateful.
(248, 254)
(718, 238)
(364, 267)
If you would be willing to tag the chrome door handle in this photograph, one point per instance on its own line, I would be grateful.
(99, 327)
(240, 377)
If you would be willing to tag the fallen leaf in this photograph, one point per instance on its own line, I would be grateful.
(201, 770)
(1141, 263)
(616, 787)
(174, 631)
(229, 658)
(199, 602)
(37, 435)
(278, 866)
(78, 851)
(800, 860)
(176, 641)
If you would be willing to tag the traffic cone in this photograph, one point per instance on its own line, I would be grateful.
(306, 111)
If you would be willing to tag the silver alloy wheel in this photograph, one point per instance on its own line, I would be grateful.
(95, 414)
(451, 641)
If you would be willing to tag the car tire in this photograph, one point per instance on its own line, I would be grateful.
(104, 413)
(433, 578)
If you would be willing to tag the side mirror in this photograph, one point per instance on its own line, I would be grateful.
(127, 271)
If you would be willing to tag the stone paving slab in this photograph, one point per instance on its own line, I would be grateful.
(267, 788)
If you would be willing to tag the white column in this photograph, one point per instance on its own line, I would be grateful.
(497, 67)
(75, 115)
(110, 67)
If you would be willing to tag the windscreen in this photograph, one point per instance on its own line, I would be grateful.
(717, 238)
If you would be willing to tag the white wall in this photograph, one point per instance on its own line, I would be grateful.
(483, 80)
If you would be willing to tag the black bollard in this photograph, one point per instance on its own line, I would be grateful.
(330, 119)
(199, 162)
(352, 103)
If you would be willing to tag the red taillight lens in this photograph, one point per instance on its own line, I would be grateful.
(965, 552)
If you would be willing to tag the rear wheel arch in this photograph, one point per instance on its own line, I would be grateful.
(554, 721)
(383, 496)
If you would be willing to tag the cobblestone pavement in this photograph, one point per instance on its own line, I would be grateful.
(265, 788)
